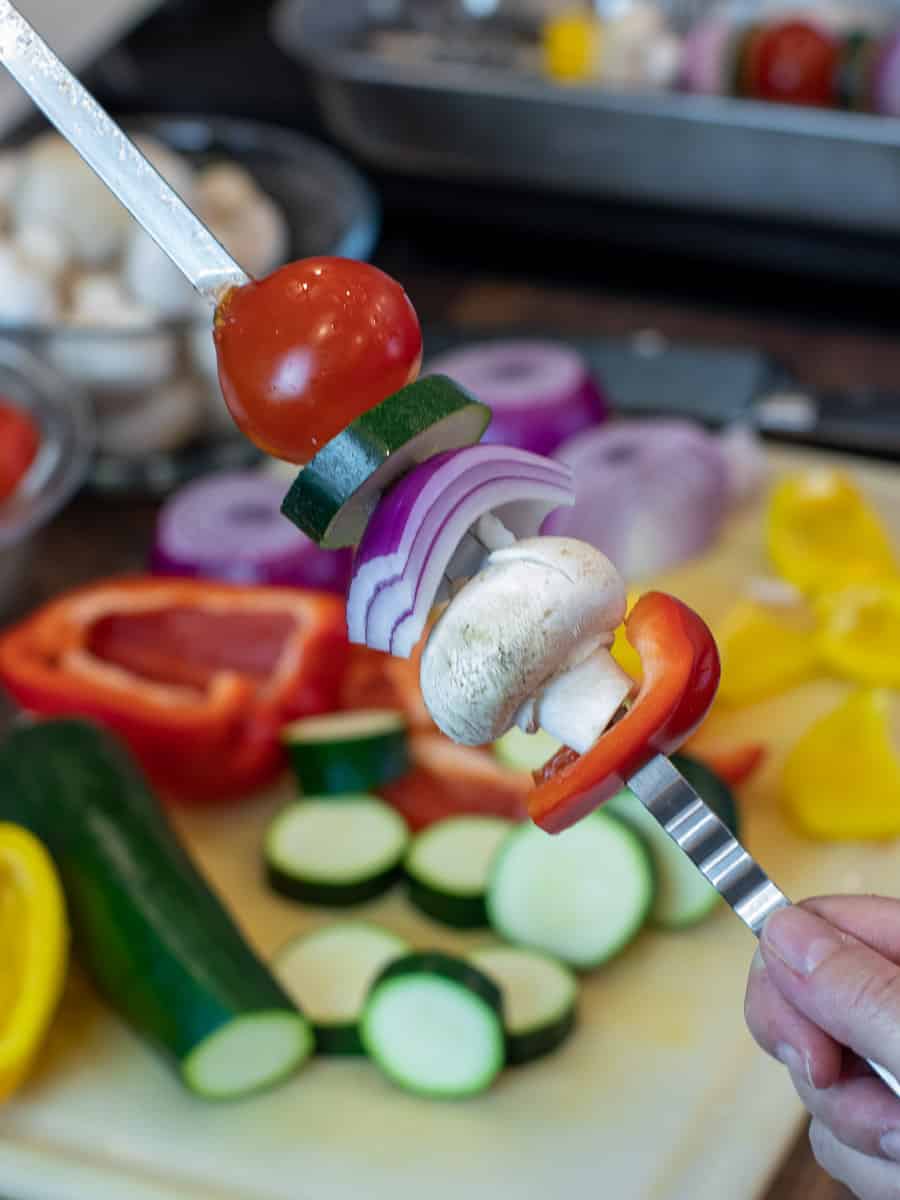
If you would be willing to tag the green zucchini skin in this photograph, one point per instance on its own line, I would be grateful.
(524, 1048)
(459, 912)
(347, 463)
(331, 895)
(156, 940)
(445, 966)
(346, 762)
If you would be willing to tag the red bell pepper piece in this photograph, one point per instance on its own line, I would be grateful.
(197, 677)
(681, 671)
(734, 765)
(448, 780)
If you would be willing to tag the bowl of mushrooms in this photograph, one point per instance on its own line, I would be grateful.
(87, 291)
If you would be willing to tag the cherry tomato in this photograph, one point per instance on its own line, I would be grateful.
(19, 443)
(794, 62)
(305, 351)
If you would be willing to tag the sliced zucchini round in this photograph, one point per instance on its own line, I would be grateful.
(715, 791)
(540, 998)
(434, 1025)
(525, 751)
(335, 494)
(248, 1055)
(448, 866)
(335, 851)
(328, 974)
(342, 752)
(582, 895)
(683, 896)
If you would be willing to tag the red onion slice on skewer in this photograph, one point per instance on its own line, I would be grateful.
(418, 531)
(230, 527)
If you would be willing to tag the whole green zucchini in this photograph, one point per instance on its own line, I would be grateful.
(157, 941)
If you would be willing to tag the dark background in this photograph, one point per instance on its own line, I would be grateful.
(216, 56)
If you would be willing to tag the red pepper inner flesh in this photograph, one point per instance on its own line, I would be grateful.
(189, 646)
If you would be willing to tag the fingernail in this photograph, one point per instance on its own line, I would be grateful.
(890, 1144)
(796, 1063)
(799, 939)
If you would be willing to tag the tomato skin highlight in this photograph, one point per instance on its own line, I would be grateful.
(303, 352)
(20, 441)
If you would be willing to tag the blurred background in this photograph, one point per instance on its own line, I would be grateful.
(661, 239)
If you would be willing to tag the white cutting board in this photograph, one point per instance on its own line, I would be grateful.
(661, 1094)
(78, 30)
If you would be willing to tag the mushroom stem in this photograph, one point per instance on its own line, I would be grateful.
(576, 706)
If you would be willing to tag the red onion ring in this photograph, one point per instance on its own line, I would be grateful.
(540, 393)
(414, 536)
(230, 527)
(649, 494)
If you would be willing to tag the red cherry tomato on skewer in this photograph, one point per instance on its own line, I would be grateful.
(305, 351)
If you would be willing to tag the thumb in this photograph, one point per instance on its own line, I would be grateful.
(842, 985)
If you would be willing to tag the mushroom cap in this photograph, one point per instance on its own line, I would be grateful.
(536, 609)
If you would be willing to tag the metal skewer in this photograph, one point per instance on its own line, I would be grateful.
(115, 158)
(716, 852)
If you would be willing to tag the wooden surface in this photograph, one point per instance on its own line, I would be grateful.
(95, 537)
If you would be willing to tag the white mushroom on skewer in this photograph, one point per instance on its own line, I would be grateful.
(527, 642)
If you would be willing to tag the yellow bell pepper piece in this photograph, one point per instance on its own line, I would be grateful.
(860, 637)
(764, 651)
(822, 535)
(622, 650)
(572, 44)
(842, 778)
(33, 951)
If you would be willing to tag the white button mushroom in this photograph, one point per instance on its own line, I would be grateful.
(246, 221)
(55, 188)
(150, 275)
(113, 343)
(526, 640)
(160, 422)
(10, 163)
(44, 249)
(153, 280)
(27, 296)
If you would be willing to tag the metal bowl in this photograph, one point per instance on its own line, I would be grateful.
(61, 466)
(329, 208)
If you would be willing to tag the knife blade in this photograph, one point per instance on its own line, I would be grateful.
(716, 853)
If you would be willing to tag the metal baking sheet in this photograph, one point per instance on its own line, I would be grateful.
(834, 170)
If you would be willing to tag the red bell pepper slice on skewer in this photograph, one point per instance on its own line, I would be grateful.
(681, 671)
(197, 677)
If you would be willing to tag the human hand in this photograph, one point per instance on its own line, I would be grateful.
(826, 978)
